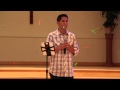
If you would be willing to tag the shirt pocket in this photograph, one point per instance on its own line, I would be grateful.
(57, 40)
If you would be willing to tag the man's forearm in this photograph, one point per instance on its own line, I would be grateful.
(71, 49)
(68, 47)
(57, 49)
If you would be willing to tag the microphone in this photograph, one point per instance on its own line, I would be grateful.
(63, 27)
(64, 50)
(65, 40)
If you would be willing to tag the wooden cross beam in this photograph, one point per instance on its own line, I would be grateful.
(31, 17)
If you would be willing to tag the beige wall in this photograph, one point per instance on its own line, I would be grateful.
(20, 41)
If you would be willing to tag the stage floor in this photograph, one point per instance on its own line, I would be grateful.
(39, 72)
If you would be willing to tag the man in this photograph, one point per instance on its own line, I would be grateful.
(66, 46)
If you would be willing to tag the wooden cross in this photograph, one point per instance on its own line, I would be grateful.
(31, 17)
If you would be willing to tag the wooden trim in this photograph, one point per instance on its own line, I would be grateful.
(31, 17)
(22, 70)
(90, 63)
(21, 63)
(44, 63)
(42, 37)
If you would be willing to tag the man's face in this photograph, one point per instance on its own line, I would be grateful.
(63, 23)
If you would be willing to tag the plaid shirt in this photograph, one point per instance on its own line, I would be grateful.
(61, 64)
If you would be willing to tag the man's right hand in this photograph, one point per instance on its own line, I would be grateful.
(62, 46)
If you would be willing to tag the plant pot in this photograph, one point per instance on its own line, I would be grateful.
(107, 30)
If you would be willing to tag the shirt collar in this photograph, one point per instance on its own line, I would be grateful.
(59, 33)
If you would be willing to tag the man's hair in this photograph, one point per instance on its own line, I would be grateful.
(60, 16)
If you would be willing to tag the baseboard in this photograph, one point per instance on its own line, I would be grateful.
(44, 63)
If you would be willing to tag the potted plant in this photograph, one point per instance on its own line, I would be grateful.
(111, 18)
(109, 24)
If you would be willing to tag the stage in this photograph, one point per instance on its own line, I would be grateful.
(37, 72)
